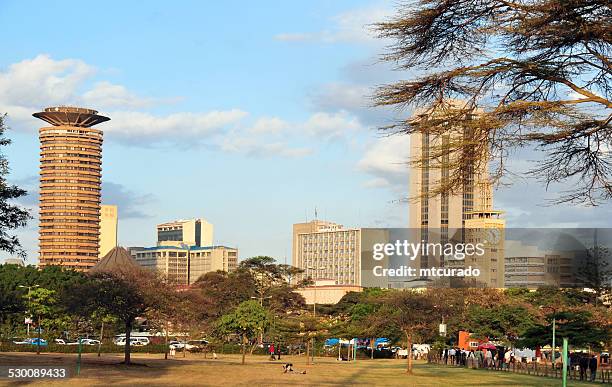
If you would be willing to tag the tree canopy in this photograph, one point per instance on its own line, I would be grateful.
(12, 215)
(511, 74)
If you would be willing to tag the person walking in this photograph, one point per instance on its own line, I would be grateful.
(583, 363)
(488, 359)
(593, 367)
(451, 353)
(271, 350)
(507, 358)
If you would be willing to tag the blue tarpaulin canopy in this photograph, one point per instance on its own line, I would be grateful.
(332, 341)
(379, 341)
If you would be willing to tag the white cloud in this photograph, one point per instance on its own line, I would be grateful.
(386, 160)
(269, 125)
(353, 26)
(331, 125)
(176, 126)
(377, 182)
(107, 95)
(289, 37)
(43, 81)
(29, 85)
(255, 147)
(344, 96)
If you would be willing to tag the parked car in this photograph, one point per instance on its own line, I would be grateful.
(135, 341)
(32, 341)
(60, 341)
(85, 342)
(191, 345)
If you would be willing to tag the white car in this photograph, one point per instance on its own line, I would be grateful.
(135, 341)
(191, 345)
(85, 342)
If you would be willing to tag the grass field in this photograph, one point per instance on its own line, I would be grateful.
(194, 370)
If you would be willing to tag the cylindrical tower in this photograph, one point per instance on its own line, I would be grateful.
(70, 173)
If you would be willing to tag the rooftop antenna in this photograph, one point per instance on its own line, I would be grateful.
(316, 216)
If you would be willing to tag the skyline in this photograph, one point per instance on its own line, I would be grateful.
(274, 146)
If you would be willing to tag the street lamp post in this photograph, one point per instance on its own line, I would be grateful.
(314, 303)
(554, 326)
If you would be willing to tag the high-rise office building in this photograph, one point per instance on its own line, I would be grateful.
(444, 218)
(191, 232)
(328, 251)
(185, 252)
(70, 173)
(184, 265)
(108, 228)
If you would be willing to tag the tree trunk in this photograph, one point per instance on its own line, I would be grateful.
(372, 341)
(128, 332)
(244, 344)
(409, 341)
(101, 338)
(308, 352)
(166, 341)
(38, 341)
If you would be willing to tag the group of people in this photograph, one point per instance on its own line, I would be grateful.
(503, 359)
(274, 351)
(474, 359)
(586, 364)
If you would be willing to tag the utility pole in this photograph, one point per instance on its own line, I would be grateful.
(554, 328)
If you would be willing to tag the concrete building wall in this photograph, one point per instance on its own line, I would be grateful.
(184, 265)
(324, 293)
(327, 251)
(441, 217)
(108, 228)
(190, 232)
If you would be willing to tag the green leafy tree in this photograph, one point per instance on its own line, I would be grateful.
(223, 291)
(513, 74)
(125, 295)
(14, 282)
(505, 322)
(41, 303)
(247, 320)
(12, 216)
(411, 312)
(578, 326)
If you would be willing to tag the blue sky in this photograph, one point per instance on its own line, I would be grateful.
(249, 114)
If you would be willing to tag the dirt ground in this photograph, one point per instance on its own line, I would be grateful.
(194, 370)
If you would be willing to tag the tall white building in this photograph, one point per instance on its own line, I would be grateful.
(328, 251)
(191, 232)
(444, 218)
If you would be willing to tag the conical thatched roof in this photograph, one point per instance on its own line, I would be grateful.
(116, 260)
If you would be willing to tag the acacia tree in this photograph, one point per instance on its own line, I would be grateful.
(248, 319)
(510, 73)
(414, 313)
(12, 216)
(124, 294)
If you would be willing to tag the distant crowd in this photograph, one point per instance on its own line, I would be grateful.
(503, 359)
